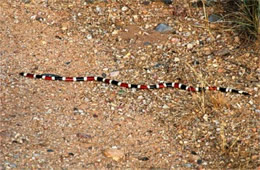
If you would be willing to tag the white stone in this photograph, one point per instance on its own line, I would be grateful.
(190, 46)
(124, 8)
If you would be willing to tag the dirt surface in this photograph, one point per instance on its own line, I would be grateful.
(61, 125)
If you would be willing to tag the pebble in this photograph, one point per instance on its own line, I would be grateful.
(165, 107)
(135, 18)
(257, 111)
(26, 1)
(50, 150)
(124, 8)
(98, 9)
(146, 43)
(43, 42)
(196, 62)
(223, 52)
(78, 111)
(193, 153)
(189, 46)
(187, 34)
(198, 3)
(89, 37)
(143, 158)
(163, 28)
(175, 40)
(71, 154)
(176, 59)
(207, 51)
(167, 2)
(236, 39)
(68, 62)
(205, 117)
(218, 36)
(104, 75)
(114, 153)
(214, 18)
(9, 165)
(199, 161)
(115, 32)
(188, 165)
(140, 97)
(33, 17)
(83, 135)
(114, 73)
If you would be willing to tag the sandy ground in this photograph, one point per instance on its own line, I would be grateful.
(61, 125)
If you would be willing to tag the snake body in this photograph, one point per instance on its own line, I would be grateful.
(127, 85)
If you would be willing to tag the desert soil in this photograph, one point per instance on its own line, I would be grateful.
(73, 125)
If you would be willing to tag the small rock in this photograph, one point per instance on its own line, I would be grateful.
(140, 97)
(124, 8)
(26, 1)
(179, 11)
(218, 36)
(78, 111)
(89, 36)
(187, 34)
(115, 32)
(214, 18)
(43, 42)
(50, 150)
(165, 107)
(71, 154)
(176, 59)
(98, 9)
(257, 111)
(188, 165)
(147, 43)
(236, 39)
(175, 40)
(104, 75)
(143, 158)
(255, 157)
(200, 4)
(115, 154)
(146, 3)
(189, 46)
(167, 2)
(199, 161)
(193, 153)
(9, 165)
(68, 62)
(83, 135)
(223, 52)
(196, 62)
(33, 17)
(40, 19)
(157, 65)
(114, 73)
(163, 28)
(207, 51)
(205, 117)
(136, 18)
(88, 1)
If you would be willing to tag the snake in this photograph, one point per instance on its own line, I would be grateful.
(175, 85)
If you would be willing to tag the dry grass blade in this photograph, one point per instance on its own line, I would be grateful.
(246, 18)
